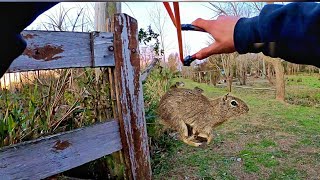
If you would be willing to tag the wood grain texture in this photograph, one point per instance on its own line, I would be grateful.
(54, 154)
(55, 50)
(103, 43)
(130, 98)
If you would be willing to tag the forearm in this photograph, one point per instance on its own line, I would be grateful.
(291, 32)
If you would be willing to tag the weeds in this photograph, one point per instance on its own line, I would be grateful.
(50, 104)
(156, 85)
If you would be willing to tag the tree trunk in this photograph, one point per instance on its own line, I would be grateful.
(264, 69)
(269, 76)
(229, 83)
(279, 71)
(280, 81)
(104, 13)
(258, 70)
(244, 78)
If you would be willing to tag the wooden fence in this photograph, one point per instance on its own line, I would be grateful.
(47, 156)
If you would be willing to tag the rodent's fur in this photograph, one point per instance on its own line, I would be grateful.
(197, 89)
(181, 107)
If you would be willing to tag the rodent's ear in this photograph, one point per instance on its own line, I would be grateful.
(223, 100)
(225, 97)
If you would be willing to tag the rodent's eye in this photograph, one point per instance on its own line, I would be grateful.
(234, 103)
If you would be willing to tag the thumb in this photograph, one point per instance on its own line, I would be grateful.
(208, 51)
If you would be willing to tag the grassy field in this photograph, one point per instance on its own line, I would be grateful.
(274, 141)
(303, 90)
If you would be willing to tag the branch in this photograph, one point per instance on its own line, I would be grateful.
(219, 10)
(148, 70)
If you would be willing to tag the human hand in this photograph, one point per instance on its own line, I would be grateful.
(222, 31)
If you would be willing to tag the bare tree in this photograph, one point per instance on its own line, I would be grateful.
(158, 18)
(292, 68)
(279, 71)
(231, 8)
(228, 62)
(246, 10)
(186, 47)
(104, 13)
(257, 6)
(209, 70)
(280, 81)
(242, 63)
(173, 62)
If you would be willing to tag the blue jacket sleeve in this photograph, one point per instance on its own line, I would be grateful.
(15, 17)
(291, 32)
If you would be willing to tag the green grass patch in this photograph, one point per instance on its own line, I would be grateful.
(258, 154)
(288, 174)
(303, 90)
(267, 143)
(255, 138)
(303, 80)
(250, 160)
(311, 140)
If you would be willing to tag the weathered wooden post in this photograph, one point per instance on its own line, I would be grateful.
(131, 105)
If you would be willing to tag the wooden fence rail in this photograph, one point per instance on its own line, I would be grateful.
(47, 156)
(54, 50)
(51, 155)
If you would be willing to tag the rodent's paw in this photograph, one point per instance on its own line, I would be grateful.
(201, 139)
(203, 145)
(199, 144)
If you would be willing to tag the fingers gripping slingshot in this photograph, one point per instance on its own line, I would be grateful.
(181, 27)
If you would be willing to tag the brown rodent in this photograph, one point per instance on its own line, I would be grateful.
(181, 108)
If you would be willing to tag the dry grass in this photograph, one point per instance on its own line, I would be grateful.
(46, 103)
